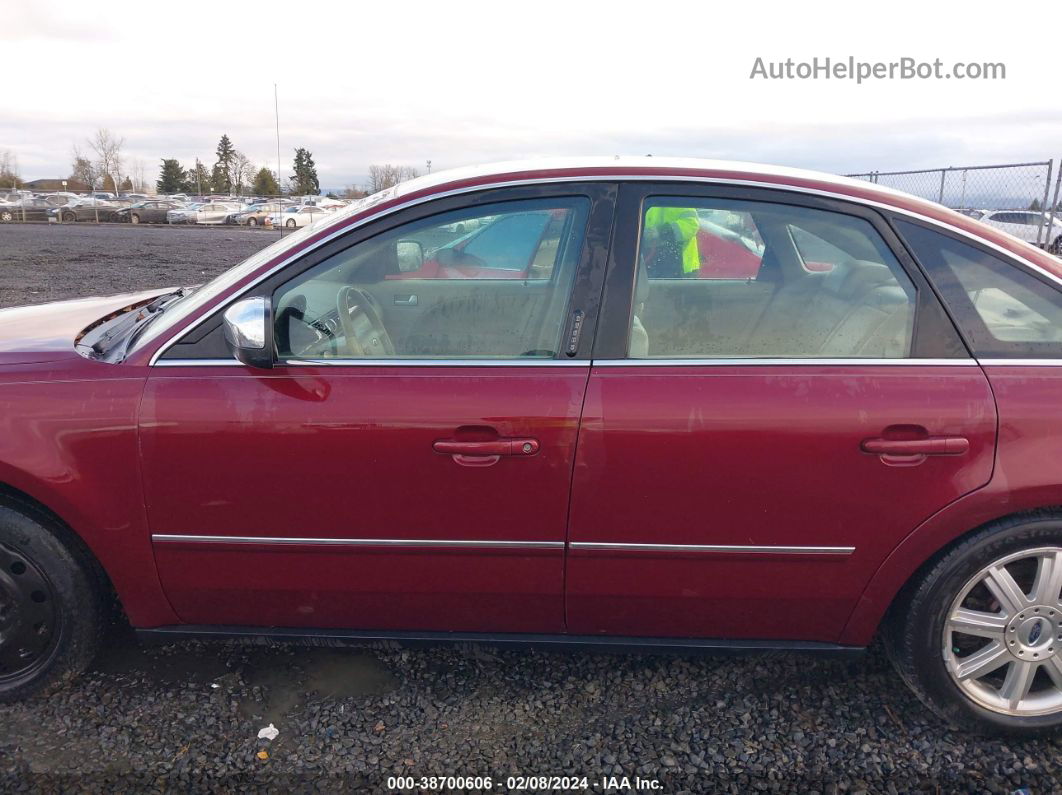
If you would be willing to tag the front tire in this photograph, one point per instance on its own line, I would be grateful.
(291, 223)
(134, 219)
(978, 637)
(252, 222)
(51, 614)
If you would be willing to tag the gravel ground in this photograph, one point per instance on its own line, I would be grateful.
(186, 716)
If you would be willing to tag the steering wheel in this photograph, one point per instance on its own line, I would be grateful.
(363, 332)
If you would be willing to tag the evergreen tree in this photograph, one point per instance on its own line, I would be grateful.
(126, 186)
(221, 177)
(265, 184)
(304, 182)
(1035, 206)
(108, 184)
(172, 178)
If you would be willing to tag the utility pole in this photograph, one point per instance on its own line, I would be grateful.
(429, 166)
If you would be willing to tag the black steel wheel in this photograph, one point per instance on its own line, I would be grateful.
(51, 612)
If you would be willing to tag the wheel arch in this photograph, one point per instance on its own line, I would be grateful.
(138, 592)
(931, 540)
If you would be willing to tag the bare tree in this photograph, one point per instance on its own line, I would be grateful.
(386, 176)
(9, 170)
(139, 178)
(82, 169)
(108, 149)
(241, 172)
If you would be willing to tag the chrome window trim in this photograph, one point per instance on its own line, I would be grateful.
(756, 549)
(731, 362)
(355, 542)
(382, 363)
(168, 323)
(752, 362)
(433, 362)
(997, 362)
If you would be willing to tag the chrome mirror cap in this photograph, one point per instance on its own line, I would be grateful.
(247, 331)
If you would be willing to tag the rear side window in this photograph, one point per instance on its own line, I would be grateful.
(1003, 310)
(800, 283)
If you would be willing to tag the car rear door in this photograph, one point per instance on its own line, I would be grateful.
(421, 484)
(752, 450)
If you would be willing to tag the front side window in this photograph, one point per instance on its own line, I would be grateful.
(490, 282)
(1002, 309)
(800, 283)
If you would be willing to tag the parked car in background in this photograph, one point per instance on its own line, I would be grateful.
(85, 210)
(183, 215)
(296, 216)
(146, 212)
(1027, 225)
(257, 214)
(30, 209)
(214, 213)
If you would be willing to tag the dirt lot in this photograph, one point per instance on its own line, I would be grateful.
(186, 716)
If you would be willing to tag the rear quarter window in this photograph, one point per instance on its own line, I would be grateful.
(1002, 309)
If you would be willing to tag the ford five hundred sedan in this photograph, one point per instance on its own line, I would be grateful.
(631, 403)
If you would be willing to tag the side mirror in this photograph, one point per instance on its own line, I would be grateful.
(249, 331)
(410, 255)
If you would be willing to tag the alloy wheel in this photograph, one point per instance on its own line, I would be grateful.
(1003, 634)
(29, 617)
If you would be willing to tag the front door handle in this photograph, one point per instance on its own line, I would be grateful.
(939, 445)
(485, 453)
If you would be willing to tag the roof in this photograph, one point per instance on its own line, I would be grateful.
(674, 168)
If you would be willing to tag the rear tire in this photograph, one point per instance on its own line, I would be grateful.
(252, 222)
(134, 219)
(6, 216)
(1004, 677)
(52, 614)
(291, 223)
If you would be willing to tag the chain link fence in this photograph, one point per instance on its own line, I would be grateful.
(1019, 198)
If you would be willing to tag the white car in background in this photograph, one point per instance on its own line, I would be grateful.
(297, 216)
(1027, 225)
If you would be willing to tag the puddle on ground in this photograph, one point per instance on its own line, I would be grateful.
(289, 678)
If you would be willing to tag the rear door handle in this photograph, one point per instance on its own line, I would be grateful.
(485, 453)
(939, 445)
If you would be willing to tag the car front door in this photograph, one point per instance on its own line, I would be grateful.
(406, 465)
(752, 450)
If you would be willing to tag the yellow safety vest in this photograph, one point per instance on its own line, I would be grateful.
(684, 224)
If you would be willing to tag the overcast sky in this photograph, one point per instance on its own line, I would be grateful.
(461, 83)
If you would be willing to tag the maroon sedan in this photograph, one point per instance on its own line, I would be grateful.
(859, 435)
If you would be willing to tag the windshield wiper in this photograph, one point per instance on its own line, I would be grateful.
(127, 327)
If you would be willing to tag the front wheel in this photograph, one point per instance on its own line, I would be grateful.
(50, 609)
(1056, 246)
(252, 222)
(979, 636)
(134, 219)
(291, 223)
